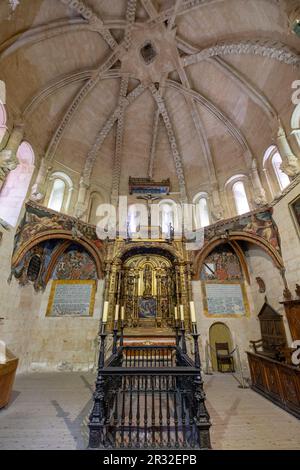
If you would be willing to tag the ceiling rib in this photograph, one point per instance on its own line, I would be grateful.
(95, 21)
(198, 126)
(243, 82)
(221, 116)
(260, 47)
(92, 155)
(119, 142)
(172, 140)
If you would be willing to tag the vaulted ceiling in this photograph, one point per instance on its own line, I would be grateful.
(185, 89)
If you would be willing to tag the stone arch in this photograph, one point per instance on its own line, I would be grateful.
(60, 235)
(233, 240)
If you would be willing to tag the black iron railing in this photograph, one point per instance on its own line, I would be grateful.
(149, 397)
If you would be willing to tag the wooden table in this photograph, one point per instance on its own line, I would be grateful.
(7, 378)
(277, 381)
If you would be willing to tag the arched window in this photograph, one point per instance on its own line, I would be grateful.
(167, 218)
(282, 178)
(60, 192)
(16, 185)
(240, 198)
(133, 219)
(201, 210)
(3, 120)
(276, 178)
(56, 199)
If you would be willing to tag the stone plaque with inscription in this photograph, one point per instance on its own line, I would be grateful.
(72, 298)
(225, 299)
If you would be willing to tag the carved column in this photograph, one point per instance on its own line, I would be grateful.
(296, 136)
(38, 190)
(217, 207)
(259, 192)
(8, 156)
(81, 201)
(291, 164)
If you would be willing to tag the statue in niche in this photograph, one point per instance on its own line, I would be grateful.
(130, 284)
(164, 286)
(164, 308)
(147, 281)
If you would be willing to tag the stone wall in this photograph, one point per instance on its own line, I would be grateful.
(43, 343)
(260, 265)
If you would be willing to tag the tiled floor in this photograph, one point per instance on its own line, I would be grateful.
(49, 411)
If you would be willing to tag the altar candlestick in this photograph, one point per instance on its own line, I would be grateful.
(176, 312)
(117, 312)
(193, 312)
(105, 312)
(181, 313)
(123, 313)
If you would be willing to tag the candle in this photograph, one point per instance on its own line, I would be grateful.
(176, 312)
(105, 312)
(123, 313)
(181, 313)
(193, 312)
(117, 313)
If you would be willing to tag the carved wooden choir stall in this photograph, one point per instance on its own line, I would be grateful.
(272, 373)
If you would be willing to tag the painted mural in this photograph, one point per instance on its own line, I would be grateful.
(222, 265)
(259, 223)
(75, 264)
(147, 307)
(295, 210)
(38, 219)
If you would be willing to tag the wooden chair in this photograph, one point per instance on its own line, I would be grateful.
(223, 357)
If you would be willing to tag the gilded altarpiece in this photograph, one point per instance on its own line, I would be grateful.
(148, 280)
(149, 292)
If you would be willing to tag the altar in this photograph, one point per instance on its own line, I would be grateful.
(147, 281)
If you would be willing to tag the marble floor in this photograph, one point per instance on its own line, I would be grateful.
(49, 411)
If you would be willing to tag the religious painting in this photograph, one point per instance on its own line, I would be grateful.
(38, 219)
(221, 265)
(260, 223)
(72, 299)
(225, 299)
(147, 307)
(75, 263)
(295, 211)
